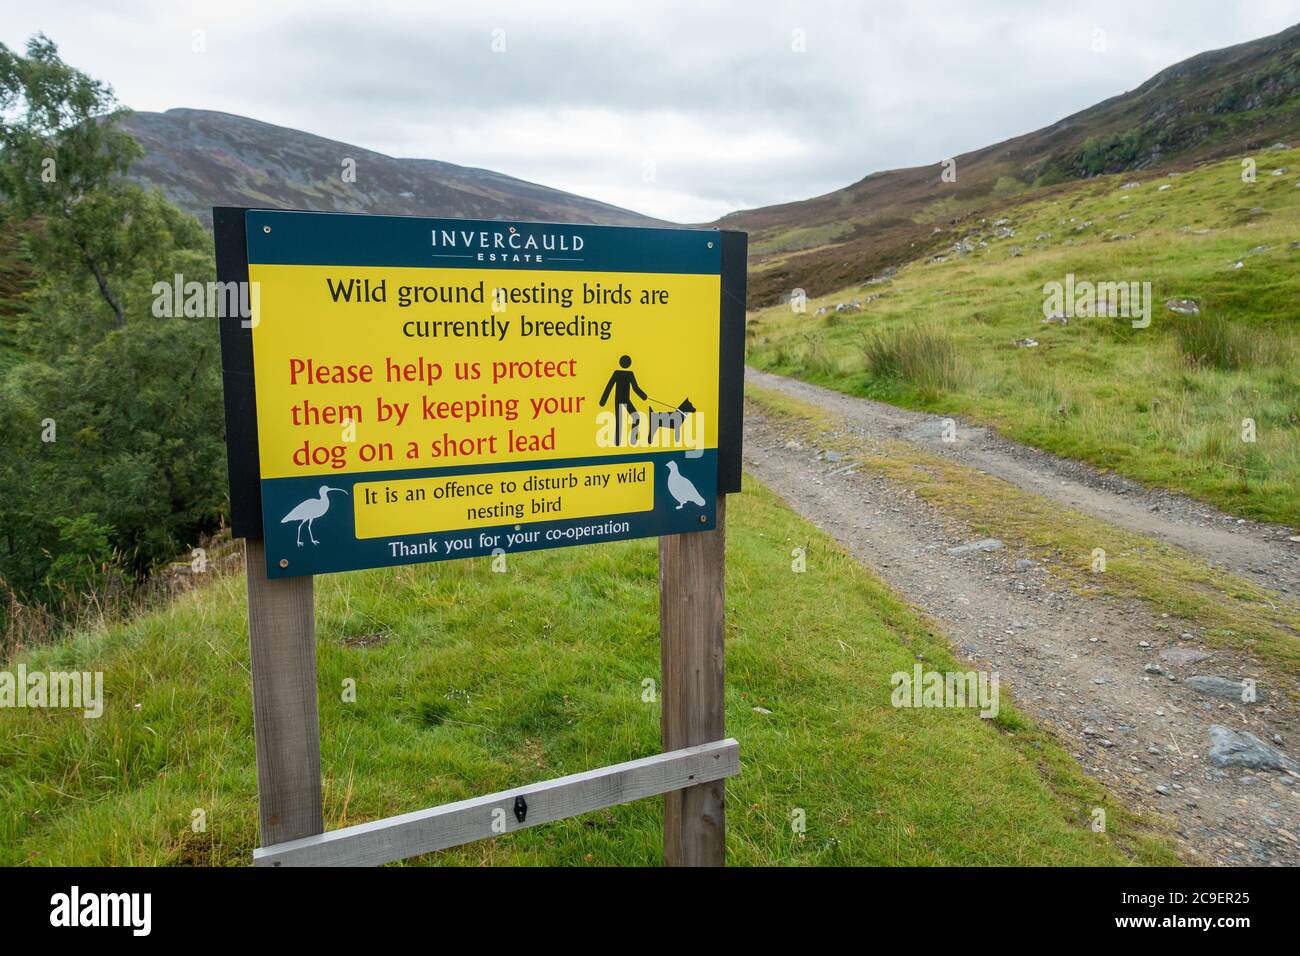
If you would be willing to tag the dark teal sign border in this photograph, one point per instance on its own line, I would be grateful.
(338, 548)
(343, 239)
(318, 239)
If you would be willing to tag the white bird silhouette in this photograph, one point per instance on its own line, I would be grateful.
(309, 511)
(680, 487)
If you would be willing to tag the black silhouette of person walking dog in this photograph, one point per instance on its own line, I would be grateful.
(622, 383)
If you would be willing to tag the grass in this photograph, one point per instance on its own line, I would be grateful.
(1167, 404)
(1227, 610)
(923, 356)
(1212, 342)
(469, 682)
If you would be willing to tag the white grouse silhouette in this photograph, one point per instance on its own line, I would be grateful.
(680, 487)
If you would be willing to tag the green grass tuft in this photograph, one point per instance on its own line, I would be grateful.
(1214, 342)
(922, 355)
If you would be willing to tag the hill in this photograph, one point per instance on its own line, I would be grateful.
(201, 159)
(1225, 102)
(1203, 399)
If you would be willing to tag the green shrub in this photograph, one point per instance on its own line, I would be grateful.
(816, 358)
(921, 355)
(1211, 341)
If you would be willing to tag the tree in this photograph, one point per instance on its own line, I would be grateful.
(111, 448)
(62, 159)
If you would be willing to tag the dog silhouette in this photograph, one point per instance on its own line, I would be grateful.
(671, 420)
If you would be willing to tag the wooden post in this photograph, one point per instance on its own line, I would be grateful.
(286, 723)
(691, 633)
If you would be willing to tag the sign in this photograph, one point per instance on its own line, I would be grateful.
(410, 389)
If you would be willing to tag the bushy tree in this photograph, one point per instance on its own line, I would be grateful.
(111, 445)
(64, 159)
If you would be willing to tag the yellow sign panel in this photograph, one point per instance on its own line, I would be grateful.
(436, 388)
(429, 373)
(390, 509)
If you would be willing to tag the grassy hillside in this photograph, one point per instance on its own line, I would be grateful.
(1163, 404)
(1219, 103)
(470, 681)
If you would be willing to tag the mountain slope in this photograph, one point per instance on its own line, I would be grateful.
(1212, 105)
(1204, 401)
(202, 159)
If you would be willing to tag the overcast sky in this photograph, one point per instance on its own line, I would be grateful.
(682, 110)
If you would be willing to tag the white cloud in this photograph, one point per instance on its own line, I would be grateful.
(586, 94)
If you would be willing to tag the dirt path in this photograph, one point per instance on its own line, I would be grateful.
(1256, 551)
(1108, 675)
